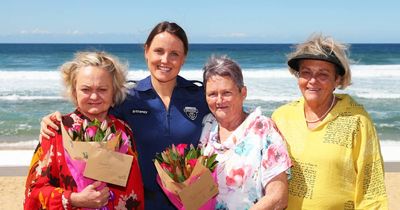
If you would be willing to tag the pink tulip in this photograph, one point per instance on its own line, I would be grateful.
(76, 127)
(192, 162)
(91, 131)
(166, 167)
(71, 132)
(124, 136)
(181, 149)
(110, 136)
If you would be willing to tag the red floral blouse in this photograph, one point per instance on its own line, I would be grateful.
(49, 182)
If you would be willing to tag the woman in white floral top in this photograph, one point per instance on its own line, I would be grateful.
(253, 159)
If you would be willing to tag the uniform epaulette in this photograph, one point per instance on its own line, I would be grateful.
(131, 84)
(197, 83)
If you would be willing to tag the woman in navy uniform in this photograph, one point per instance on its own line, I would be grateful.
(162, 109)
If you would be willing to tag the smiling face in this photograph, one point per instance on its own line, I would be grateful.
(317, 81)
(165, 57)
(94, 92)
(224, 98)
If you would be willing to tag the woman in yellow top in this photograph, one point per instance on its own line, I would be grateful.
(337, 162)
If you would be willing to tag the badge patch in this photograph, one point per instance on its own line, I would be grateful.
(191, 112)
(139, 111)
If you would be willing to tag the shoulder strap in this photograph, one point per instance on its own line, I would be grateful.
(131, 84)
(206, 129)
(197, 83)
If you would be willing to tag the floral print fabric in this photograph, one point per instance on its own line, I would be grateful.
(253, 154)
(49, 182)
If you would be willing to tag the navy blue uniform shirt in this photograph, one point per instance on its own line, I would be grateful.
(155, 128)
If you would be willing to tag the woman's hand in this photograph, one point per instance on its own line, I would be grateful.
(49, 120)
(90, 197)
(276, 194)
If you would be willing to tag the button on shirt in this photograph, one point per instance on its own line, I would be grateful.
(155, 128)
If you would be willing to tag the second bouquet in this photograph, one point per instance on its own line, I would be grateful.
(187, 177)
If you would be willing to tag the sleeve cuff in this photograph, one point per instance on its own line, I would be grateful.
(66, 199)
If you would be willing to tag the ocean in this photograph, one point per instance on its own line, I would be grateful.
(30, 84)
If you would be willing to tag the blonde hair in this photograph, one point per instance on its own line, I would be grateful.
(319, 45)
(101, 60)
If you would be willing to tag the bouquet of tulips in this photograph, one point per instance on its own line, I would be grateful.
(187, 177)
(106, 135)
(87, 142)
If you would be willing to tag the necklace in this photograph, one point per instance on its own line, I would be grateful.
(327, 111)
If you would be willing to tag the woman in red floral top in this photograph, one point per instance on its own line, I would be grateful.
(94, 82)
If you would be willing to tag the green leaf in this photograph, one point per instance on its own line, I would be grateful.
(96, 123)
(99, 135)
(211, 160)
(75, 135)
(198, 152)
(170, 174)
(159, 158)
(181, 178)
(192, 154)
(213, 165)
(174, 156)
(113, 130)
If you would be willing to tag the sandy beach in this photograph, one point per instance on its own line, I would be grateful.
(12, 190)
(14, 166)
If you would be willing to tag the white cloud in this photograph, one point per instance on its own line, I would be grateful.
(38, 31)
(238, 35)
(72, 32)
(231, 35)
(34, 31)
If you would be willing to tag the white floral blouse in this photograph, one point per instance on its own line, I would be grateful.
(253, 154)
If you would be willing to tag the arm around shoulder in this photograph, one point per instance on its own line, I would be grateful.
(49, 121)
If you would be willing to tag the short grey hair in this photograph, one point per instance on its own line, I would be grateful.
(223, 66)
(103, 60)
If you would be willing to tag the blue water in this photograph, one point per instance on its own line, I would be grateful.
(30, 83)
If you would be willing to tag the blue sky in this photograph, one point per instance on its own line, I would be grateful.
(205, 21)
